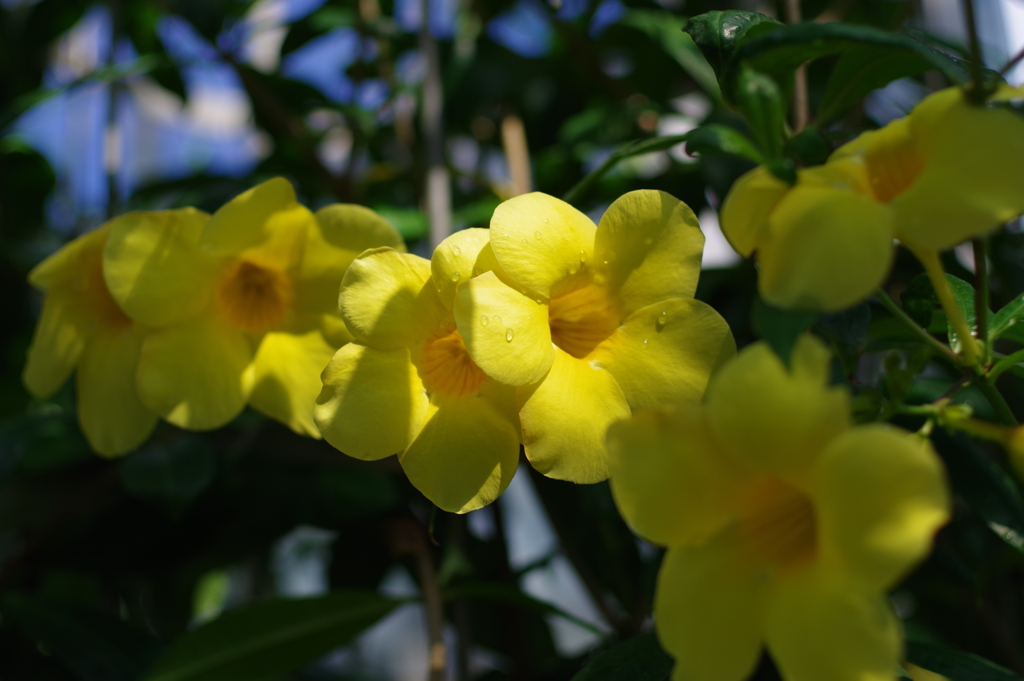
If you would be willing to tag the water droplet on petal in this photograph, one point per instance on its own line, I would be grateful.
(457, 251)
(456, 277)
(524, 242)
(497, 319)
(483, 320)
(583, 256)
(545, 220)
(648, 241)
(537, 234)
(662, 318)
(508, 335)
(645, 342)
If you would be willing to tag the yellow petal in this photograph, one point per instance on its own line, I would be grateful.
(197, 374)
(665, 353)
(774, 419)
(653, 245)
(747, 206)
(880, 495)
(973, 180)
(825, 249)
(464, 455)
(113, 417)
(669, 477)
(372, 402)
(60, 335)
(821, 626)
(68, 261)
(286, 378)
(707, 612)
(339, 233)
(506, 332)
(388, 300)
(265, 225)
(154, 268)
(459, 258)
(565, 418)
(540, 240)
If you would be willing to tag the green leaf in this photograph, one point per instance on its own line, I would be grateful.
(1008, 316)
(764, 108)
(720, 139)
(809, 147)
(268, 640)
(963, 294)
(780, 328)
(718, 34)
(957, 665)
(987, 488)
(779, 52)
(410, 223)
(637, 659)
(848, 330)
(663, 27)
(173, 471)
(96, 646)
(919, 301)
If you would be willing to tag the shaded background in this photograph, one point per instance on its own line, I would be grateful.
(153, 104)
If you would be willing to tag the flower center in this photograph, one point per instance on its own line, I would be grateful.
(255, 298)
(446, 367)
(582, 318)
(893, 163)
(777, 525)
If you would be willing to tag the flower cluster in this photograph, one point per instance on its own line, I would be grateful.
(949, 171)
(541, 331)
(784, 524)
(185, 316)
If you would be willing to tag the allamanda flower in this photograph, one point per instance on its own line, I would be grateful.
(242, 305)
(948, 171)
(589, 322)
(406, 385)
(785, 524)
(82, 328)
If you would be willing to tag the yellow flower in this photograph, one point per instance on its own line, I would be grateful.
(945, 173)
(784, 523)
(588, 322)
(82, 328)
(242, 304)
(406, 385)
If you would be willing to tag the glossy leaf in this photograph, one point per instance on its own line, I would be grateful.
(637, 659)
(956, 665)
(723, 140)
(663, 27)
(764, 108)
(268, 640)
(718, 34)
(1007, 317)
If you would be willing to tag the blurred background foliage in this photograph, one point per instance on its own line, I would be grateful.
(152, 104)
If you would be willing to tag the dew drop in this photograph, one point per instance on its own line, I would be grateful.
(662, 318)
(537, 234)
(645, 342)
(457, 251)
(648, 241)
(504, 234)
(508, 335)
(483, 320)
(583, 256)
(456, 277)
(545, 220)
(524, 242)
(497, 319)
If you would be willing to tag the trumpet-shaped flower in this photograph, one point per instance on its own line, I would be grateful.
(242, 305)
(784, 523)
(588, 322)
(945, 173)
(407, 385)
(82, 328)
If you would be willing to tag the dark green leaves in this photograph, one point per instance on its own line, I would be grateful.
(957, 665)
(718, 34)
(1007, 317)
(171, 472)
(268, 640)
(764, 108)
(637, 659)
(780, 328)
(719, 139)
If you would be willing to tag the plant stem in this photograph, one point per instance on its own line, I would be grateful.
(801, 107)
(933, 266)
(976, 91)
(438, 189)
(998, 402)
(981, 294)
(889, 304)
